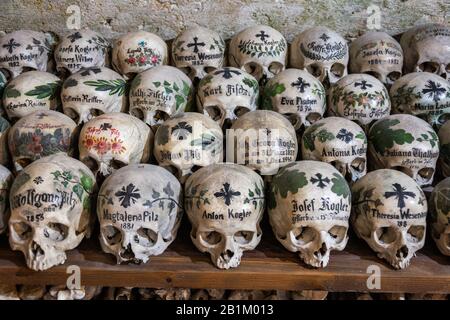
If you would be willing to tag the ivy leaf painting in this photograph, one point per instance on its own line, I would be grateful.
(10, 92)
(155, 194)
(118, 86)
(186, 89)
(251, 83)
(270, 91)
(78, 190)
(340, 186)
(313, 132)
(168, 190)
(49, 90)
(179, 100)
(285, 181)
(362, 136)
(383, 137)
(86, 182)
(136, 82)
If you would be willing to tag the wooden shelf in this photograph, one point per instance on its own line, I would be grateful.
(270, 266)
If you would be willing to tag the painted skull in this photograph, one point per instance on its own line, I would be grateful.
(138, 51)
(297, 95)
(262, 140)
(31, 91)
(187, 142)
(92, 92)
(361, 98)
(440, 216)
(113, 140)
(422, 94)
(427, 48)
(4, 151)
(309, 207)
(40, 134)
(25, 50)
(139, 208)
(50, 204)
(260, 51)
(160, 93)
(444, 141)
(322, 52)
(81, 49)
(378, 54)
(197, 51)
(406, 143)
(389, 213)
(6, 179)
(225, 204)
(340, 142)
(226, 94)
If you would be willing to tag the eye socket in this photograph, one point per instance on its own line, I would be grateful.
(275, 68)
(386, 235)
(359, 164)
(294, 119)
(338, 233)
(160, 116)
(404, 170)
(447, 68)
(313, 117)
(394, 75)
(214, 112)
(429, 66)
(190, 72)
(116, 164)
(23, 162)
(138, 113)
(146, 237)
(112, 235)
(254, 69)
(416, 233)
(243, 237)
(23, 230)
(208, 69)
(443, 118)
(337, 69)
(240, 111)
(72, 114)
(314, 69)
(56, 231)
(426, 173)
(91, 163)
(195, 168)
(211, 237)
(303, 235)
(374, 74)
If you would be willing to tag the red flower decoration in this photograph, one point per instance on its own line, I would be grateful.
(155, 59)
(131, 60)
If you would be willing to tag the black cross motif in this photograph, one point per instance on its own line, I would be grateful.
(300, 84)
(262, 35)
(196, 44)
(87, 71)
(75, 36)
(42, 115)
(434, 90)
(363, 84)
(399, 193)
(324, 37)
(268, 131)
(127, 195)
(105, 126)
(11, 45)
(321, 182)
(227, 73)
(227, 193)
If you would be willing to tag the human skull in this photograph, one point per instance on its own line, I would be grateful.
(4, 151)
(262, 140)
(226, 94)
(6, 179)
(25, 50)
(406, 143)
(198, 51)
(40, 134)
(389, 213)
(31, 91)
(378, 54)
(160, 93)
(94, 91)
(81, 49)
(340, 142)
(225, 203)
(297, 95)
(422, 94)
(50, 204)
(139, 208)
(322, 52)
(361, 98)
(427, 48)
(440, 216)
(113, 140)
(260, 51)
(138, 51)
(444, 141)
(187, 142)
(309, 207)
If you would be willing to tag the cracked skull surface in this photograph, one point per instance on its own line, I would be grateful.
(113, 140)
(6, 179)
(50, 203)
(139, 211)
(389, 213)
(260, 51)
(225, 204)
(160, 93)
(440, 216)
(340, 142)
(309, 207)
(322, 52)
(92, 92)
(406, 143)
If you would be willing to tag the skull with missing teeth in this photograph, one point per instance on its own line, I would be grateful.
(160, 93)
(225, 203)
(114, 140)
(297, 95)
(309, 207)
(405, 143)
(6, 179)
(92, 92)
(188, 142)
(260, 51)
(50, 209)
(226, 94)
(322, 52)
(440, 216)
(138, 51)
(198, 51)
(340, 142)
(389, 213)
(139, 211)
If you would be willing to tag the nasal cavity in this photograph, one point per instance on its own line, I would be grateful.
(227, 255)
(402, 252)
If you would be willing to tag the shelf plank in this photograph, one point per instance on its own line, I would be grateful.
(268, 267)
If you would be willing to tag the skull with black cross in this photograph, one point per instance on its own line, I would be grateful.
(440, 216)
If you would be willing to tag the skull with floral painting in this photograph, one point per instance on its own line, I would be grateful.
(440, 216)
(6, 179)
(406, 143)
